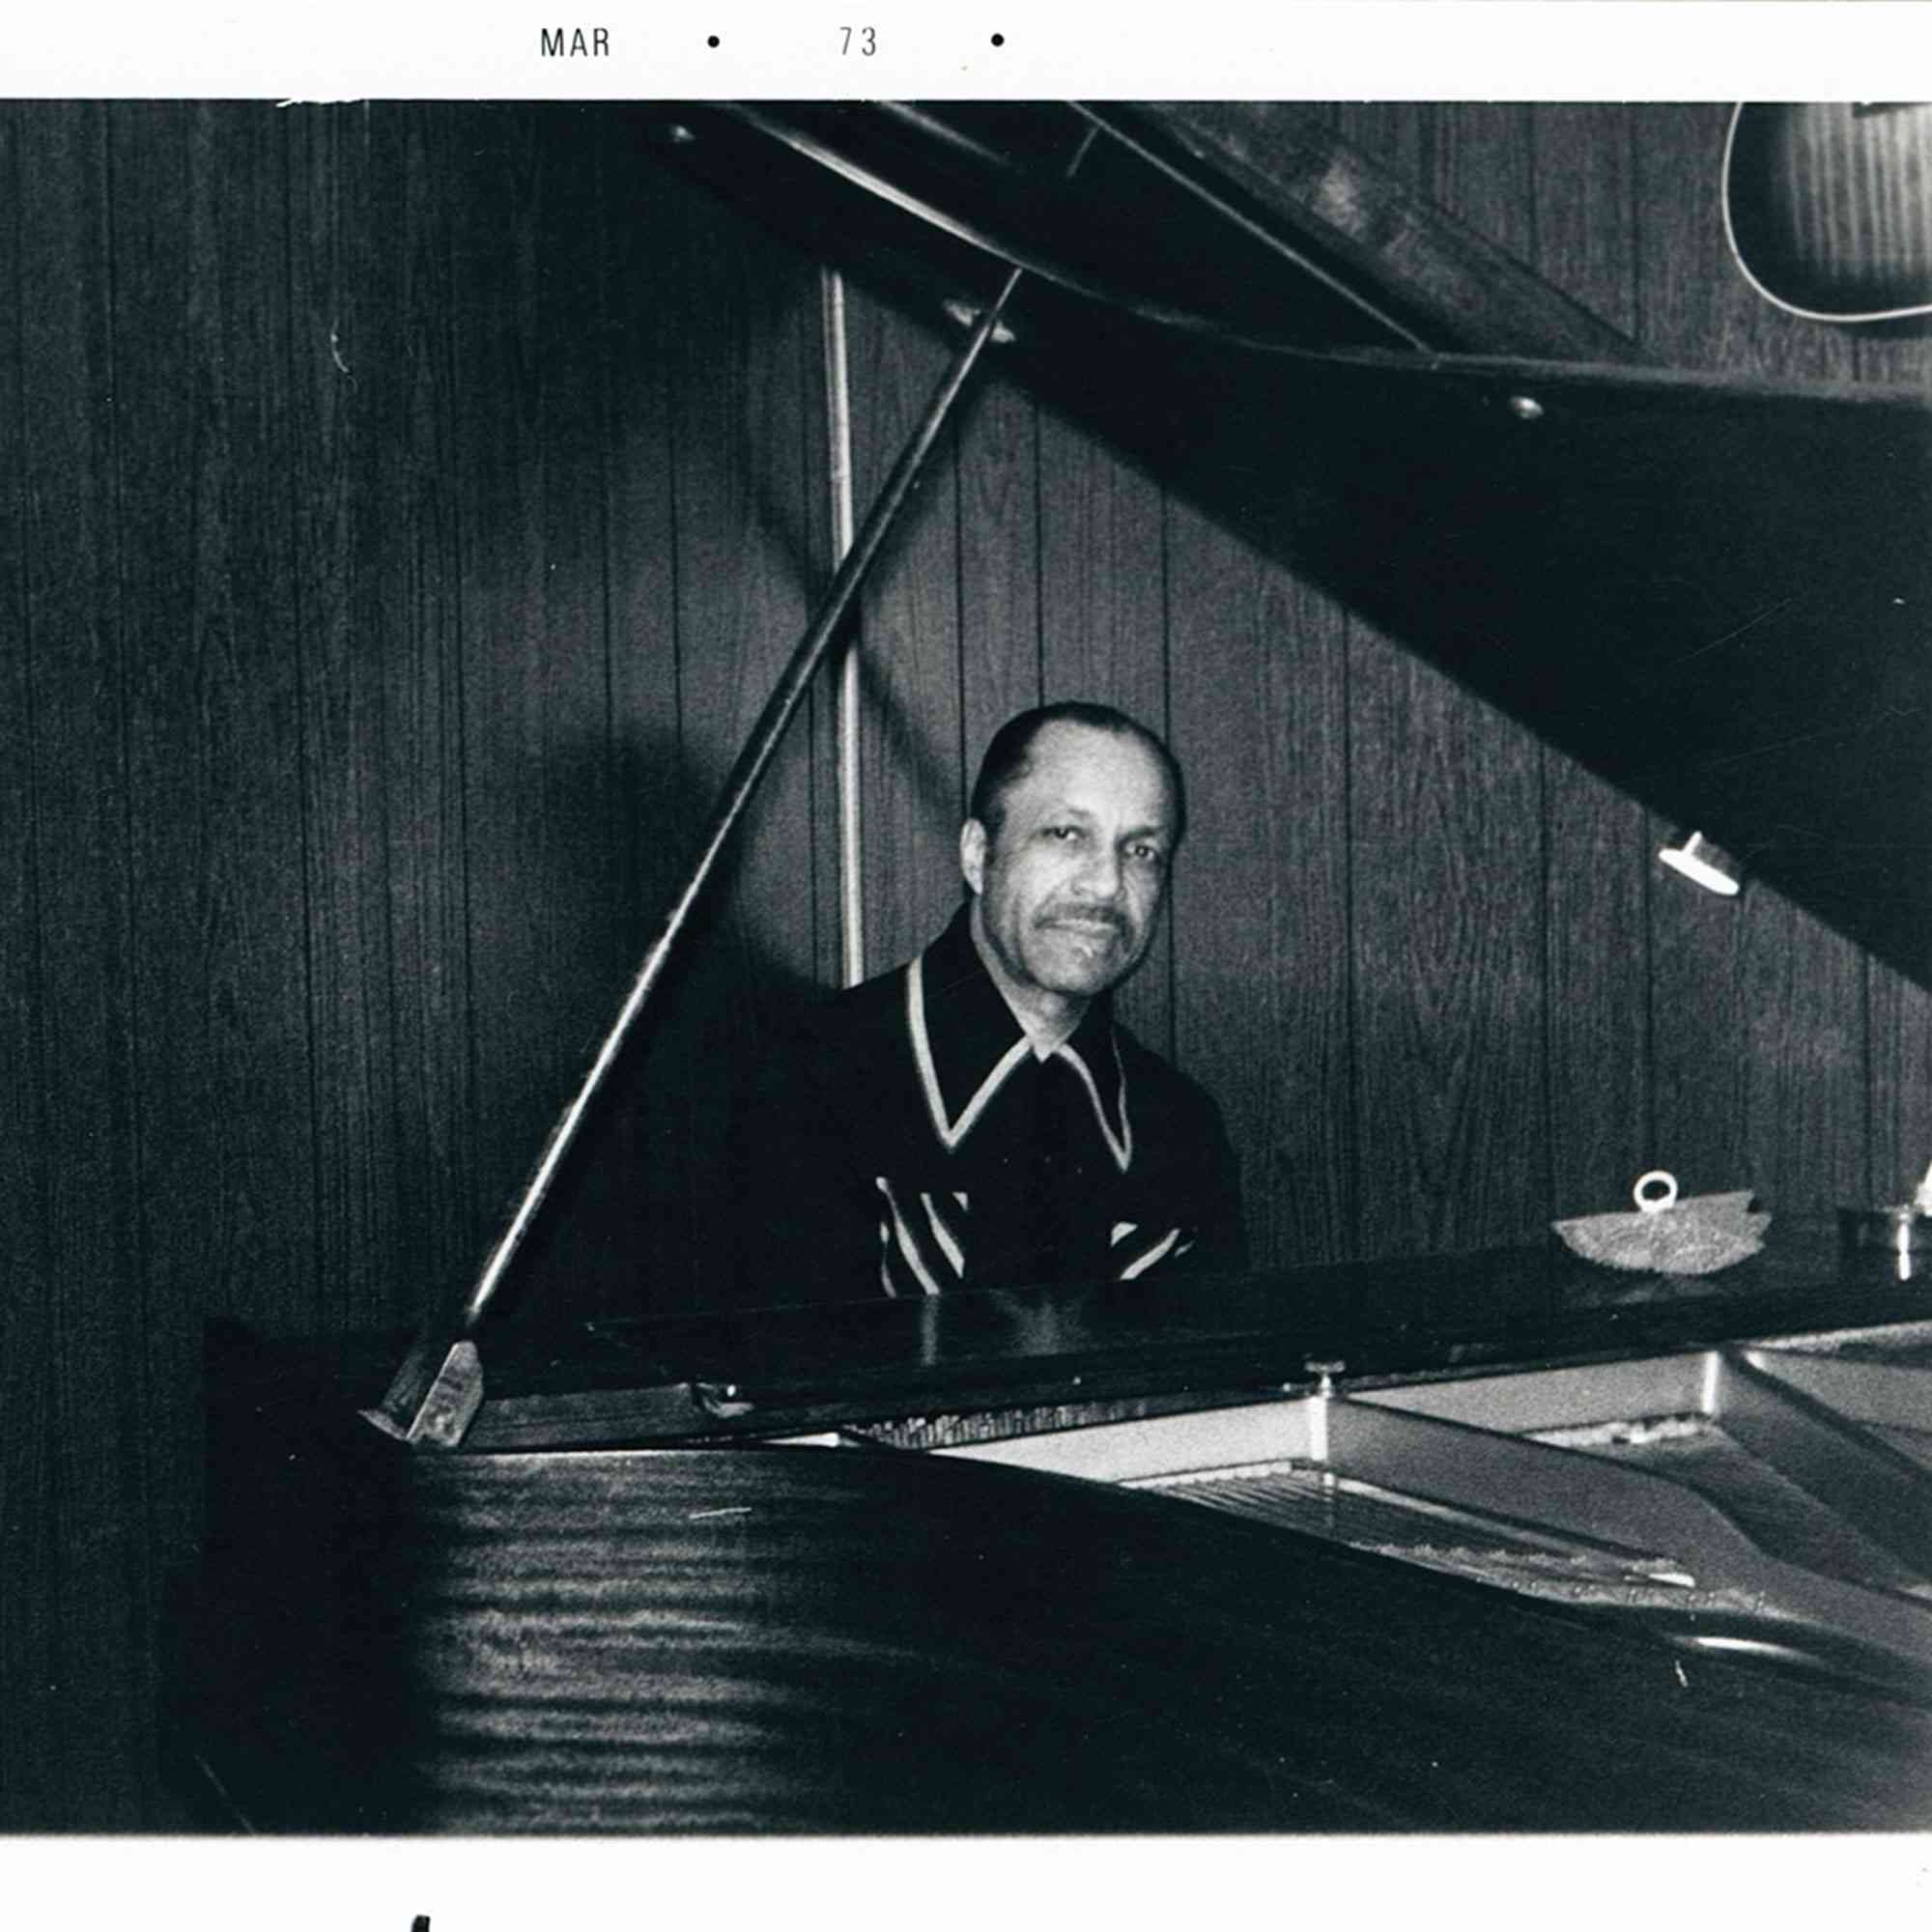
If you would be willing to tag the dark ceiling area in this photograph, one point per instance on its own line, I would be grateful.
(1712, 590)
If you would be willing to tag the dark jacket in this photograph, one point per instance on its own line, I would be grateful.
(911, 1141)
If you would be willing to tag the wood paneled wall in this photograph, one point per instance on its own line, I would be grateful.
(403, 512)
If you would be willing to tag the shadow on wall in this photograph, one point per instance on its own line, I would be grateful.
(642, 1217)
(635, 1219)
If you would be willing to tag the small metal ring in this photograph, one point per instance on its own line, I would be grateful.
(1646, 1205)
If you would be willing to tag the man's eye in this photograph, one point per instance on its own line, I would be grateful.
(1062, 832)
(1148, 855)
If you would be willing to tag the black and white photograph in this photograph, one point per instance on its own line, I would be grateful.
(968, 968)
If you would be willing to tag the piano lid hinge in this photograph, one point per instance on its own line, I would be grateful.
(440, 1415)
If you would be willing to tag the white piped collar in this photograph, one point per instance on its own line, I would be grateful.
(959, 1004)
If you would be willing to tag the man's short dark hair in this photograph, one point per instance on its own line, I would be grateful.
(1009, 754)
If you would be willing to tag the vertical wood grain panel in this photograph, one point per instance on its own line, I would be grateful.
(1598, 966)
(1900, 1019)
(215, 653)
(89, 1612)
(409, 604)
(646, 221)
(1449, 865)
(537, 816)
(209, 617)
(585, 1238)
(1104, 621)
(1808, 1099)
(914, 753)
(379, 572)
(1758, 1015)
(748, 445)
(346, 376)
(526, 713)
(1259, 707)
(28, 1447)
(1810, 1096)
(997, 463)
(1445, 830)
(1899, 1011)
(749, 450)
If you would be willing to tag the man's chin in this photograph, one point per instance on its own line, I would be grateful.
(1082, 968)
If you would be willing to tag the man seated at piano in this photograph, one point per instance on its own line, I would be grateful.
(977, 1117)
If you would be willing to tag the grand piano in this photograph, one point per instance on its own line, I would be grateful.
(1505, 1541)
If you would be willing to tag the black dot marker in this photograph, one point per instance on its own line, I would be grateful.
(999, 40)
(711, 40)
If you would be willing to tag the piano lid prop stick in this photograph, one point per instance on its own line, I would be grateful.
(438, 1387)
(850, 706)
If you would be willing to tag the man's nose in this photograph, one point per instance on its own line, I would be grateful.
(1100, 876)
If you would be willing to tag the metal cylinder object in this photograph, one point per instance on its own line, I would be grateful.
(1900, 1231)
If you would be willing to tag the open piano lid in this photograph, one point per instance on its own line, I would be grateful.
(1713, 589)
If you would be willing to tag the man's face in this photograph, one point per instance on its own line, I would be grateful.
(1068, 893)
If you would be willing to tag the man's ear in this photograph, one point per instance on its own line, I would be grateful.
(973, 855)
